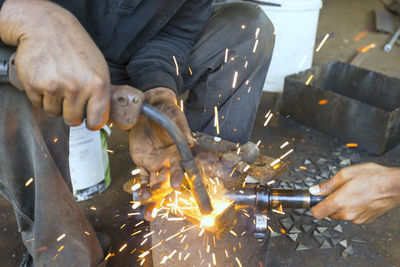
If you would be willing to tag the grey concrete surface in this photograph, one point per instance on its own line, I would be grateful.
(345, 18)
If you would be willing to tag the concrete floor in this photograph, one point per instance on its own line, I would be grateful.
(345, 18)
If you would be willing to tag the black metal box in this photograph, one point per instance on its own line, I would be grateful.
(350, 103)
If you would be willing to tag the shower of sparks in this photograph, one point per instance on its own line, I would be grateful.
(309, 79)
(123, 247)
(238, 151)
(60, 237)
(216, 120)
(55, 140)
(176, 65)
(246, 168)
(144, 254)
(148, 234)
(271, 182)
(323, 102)
(144, 241)
(235, 76)
(135, 187)
(181, 105)
(258, 143)
(269, 112)
(352, 145)
(190, 70)
(238, 262)
(257, 32)
(109, 255)
(29, 181)
(154, 213)
(233, 233)
(87, 233)
(303, 61)
(135, 205)
(243, 26)
(110, 151)
(360, 35)
(135, 171)
(284, 145)
(322, 43)
(61, 248)
(245, 64)
(214, 260)
(286, 154)
(278, 211)
(93, 208)
(133, 213)
(122, 226)
(255, 46)
(366, 48)
(268, 119)
(226, 55)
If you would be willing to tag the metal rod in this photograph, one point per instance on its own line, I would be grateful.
(388, 47)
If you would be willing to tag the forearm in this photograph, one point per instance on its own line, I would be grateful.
(393, 188)
(21, 18)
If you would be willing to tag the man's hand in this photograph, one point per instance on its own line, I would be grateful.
(153, 150)
(58, 64)
(359, 193)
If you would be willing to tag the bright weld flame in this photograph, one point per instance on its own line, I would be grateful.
(60, 237)
(322, 43)
(323, 102)
(29, 181)
(255, 46)
(226, 55)
(309, 79)
(352, 145)
(284, 144)
(176, 65)
(135, 171)
(216, 119)
(235, 76)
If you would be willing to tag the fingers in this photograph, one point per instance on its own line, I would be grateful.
(144, 185)
(331, 185)
(325, 208)
(181, 121)
(52, 103)
(176, 174)
(98, 106)
(74, 110)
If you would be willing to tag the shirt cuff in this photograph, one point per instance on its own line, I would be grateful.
(154, 77)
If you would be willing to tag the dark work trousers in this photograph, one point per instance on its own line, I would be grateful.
(35, 145)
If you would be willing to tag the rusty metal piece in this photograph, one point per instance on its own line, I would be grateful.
(126, 104)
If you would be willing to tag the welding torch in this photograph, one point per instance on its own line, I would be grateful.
(263, 198)
(127, 103)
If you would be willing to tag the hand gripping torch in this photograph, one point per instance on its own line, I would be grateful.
(127, 103)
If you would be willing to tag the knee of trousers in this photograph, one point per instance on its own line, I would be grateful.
(257, 26)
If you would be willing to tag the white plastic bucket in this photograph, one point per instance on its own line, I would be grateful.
(295, 23)
(88, 161)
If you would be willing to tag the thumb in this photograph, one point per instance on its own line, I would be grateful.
(328, 187)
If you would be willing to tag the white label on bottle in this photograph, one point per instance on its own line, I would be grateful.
(85, 157)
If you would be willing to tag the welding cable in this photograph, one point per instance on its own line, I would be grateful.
(187, 160)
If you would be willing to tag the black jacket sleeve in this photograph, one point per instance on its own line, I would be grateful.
(154, 65)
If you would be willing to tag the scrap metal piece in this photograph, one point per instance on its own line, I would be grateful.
(301, 246)
(343, 243)
(306, 227)
(293, 237)
(321, 229)
(325, 245)
(307, 162)
(327, 234)
(316, 233)
(349, 250)
(335, 241)
(294, 230)
(357, 240)
(296, 217)
(274, 234)
(338, 228)
(328, 219)
(345, 162)
(286, 220)
(287, 226)
(319, 238)
(308, 213)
